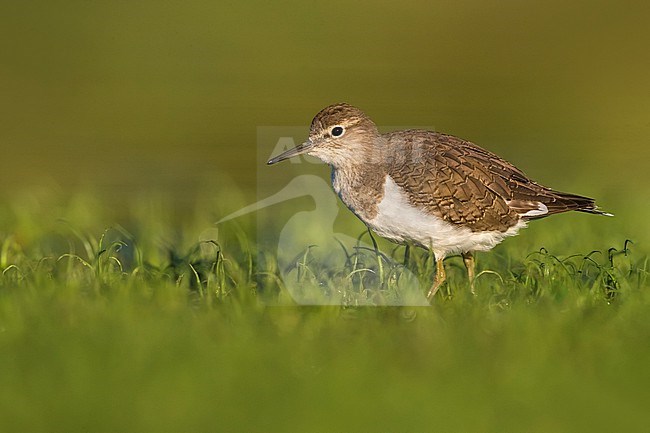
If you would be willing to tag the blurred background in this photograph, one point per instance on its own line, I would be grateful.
(123, 98)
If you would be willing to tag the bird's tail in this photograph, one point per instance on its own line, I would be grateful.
(563, 201)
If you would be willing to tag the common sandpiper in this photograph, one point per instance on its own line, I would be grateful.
(434, 190)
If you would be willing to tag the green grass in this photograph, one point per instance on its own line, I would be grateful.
(142, 327)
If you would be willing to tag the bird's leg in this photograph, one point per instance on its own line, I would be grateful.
(468, 259)
(440, 278)
(407, 255)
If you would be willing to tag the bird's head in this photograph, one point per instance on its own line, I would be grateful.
(338, 134)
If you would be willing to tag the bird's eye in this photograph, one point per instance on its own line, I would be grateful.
(337, 131)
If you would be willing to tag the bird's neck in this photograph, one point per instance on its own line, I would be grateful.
(360, 185)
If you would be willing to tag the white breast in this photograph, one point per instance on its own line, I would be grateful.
(400, 221)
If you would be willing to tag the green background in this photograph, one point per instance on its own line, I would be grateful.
(149, 91)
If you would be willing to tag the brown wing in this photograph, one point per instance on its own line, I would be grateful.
(470, 186)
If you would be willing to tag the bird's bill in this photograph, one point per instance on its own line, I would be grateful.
(298, 150)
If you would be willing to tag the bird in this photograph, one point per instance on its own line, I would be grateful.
(427, 188)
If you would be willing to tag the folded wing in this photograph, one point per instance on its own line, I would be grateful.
(470, 186)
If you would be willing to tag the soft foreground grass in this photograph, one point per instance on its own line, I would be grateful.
(147, 329)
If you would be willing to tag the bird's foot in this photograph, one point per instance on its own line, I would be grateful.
(433, 290)
(441, 276)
